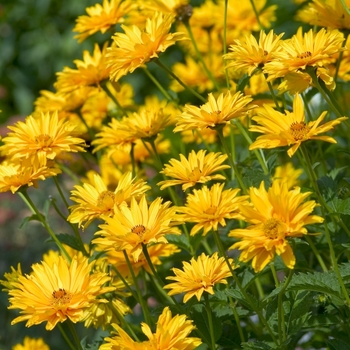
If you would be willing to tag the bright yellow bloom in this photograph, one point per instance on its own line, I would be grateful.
(250, 54)
(287, 174)
(275, 215)
(90, 71)
(25, 172)
(95, 201)
(215, 112)
(155, 252)
(210, 207)
(326, 13)
(54, 294)
(101, 17)
(305, 50)
(199, 276)
(31, 344)
(11, 278)
(44, 138)
(198, 168)
(289, 129)
(136, 47)
(172, 333)
(137, 225)
(165, 6)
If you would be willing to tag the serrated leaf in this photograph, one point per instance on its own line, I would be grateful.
(337, 344)
(25, 221)
(254, 177)
(340, 206)
(327, 186)
(180, 241)
(237, 295)
(258, 345)
(324, 320)
(344, 270)
(247, 277)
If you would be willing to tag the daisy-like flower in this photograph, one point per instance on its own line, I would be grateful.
(165, 6)
(45, 138)
(135, 47)
(199, 276)
(275, 215)
(326, 13)
(25, 172)
(250, 54)
(305, 50)
(216, 112)
(96, 201)
(56, 293)
(172, 333)
(90, 71)
(132, 227)
(11, 278)
(31, 344)
(210, 207)
(198, 168)
(101, 17)
(287, 174)
(289, 129)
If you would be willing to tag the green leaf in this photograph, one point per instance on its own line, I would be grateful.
(25, 221)
(327, 186)
(337, 344)
(340, 206)
(242, 83)
(180, 241)
(323, 320)
(237, 295)
(254, 176)
(258, 345)
(69, 240)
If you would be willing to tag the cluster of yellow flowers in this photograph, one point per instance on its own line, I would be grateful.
(235, 78)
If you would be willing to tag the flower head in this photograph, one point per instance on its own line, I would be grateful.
(96, 201)
(101, 17)
(136, 47)
(250, 54)
(275, 215)
(215, 112)
(137, 225)
(31, 344)
(210, 207)
(198, 168)
(44, 138)
(286, 173)
(56, 293)
(199, 276)
(290, 128)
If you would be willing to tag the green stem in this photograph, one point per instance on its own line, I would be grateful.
(24, 195)
(313, 179)
(193, 92)
(150, 264)
(200, 57)
(273, 95)
(225, 44)
(317, 254)
(138, 291)
(113, 98)
(240, 287)
(259, 287)
(65, 336)
(210, 320)
(238, 323)
(274, 274)
(132, 157)
(74, 333)
(233, 149)
(234, 167)
(258, 153)
(256, 14)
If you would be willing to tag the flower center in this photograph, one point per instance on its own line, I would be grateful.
(304, 55)
(43, 140)
(299, 131)
(60, 297)
(106, 199)
(139, 230)
(211, 210)
(272, 228)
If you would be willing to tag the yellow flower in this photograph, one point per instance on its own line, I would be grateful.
(55, 294)
(96, 201)
(25, 172)
(250, 54)
(11, 278)
(165, 6)
(289, 129)
(136, 47)
(90, 71)
(137, 225)
(305, 50)
(287, 174)
(214, 112)
(31, 344)
(155, 252)
(199, 276)
(210, 207)
(198, 168)
(44, 138)
(326, 13)
(101, 17)
(274, 215)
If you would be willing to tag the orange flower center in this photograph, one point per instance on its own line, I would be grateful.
(273, 228)
(211, 210)
(106, 199)
(304, 55)
(299, 131)
(139, 230)
(61, 297)
(43, 140)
